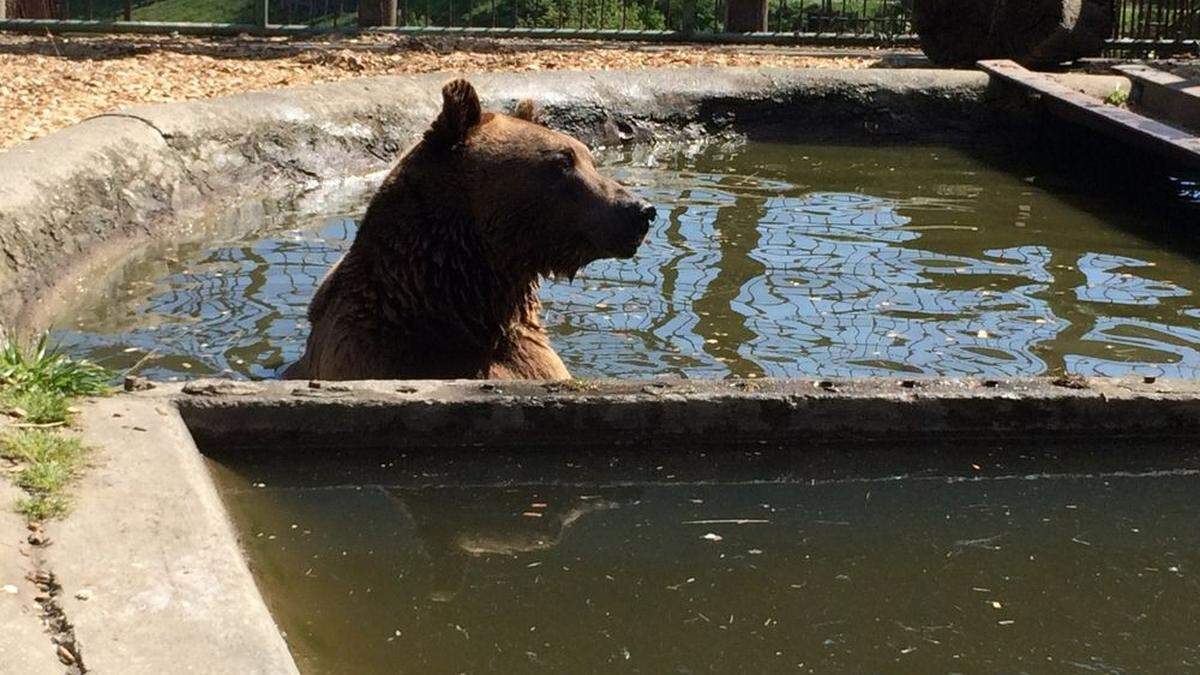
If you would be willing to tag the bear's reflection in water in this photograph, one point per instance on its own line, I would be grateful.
(496, 523)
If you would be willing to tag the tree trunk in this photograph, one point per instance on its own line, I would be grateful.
(745, 16)
(1032, 32)
(376, 13)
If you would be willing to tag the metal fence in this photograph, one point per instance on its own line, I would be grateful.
(1157, 20)
(865, 21)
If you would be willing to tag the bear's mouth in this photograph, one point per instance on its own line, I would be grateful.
(633, 241)
(630, 248)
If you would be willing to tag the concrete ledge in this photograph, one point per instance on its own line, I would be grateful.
(291, 416)
(88, 193)
(167, 589)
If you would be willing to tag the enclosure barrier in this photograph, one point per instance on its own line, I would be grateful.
(1172, 25)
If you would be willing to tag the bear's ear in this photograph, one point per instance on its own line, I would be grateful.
(527, 111)
(460, 112)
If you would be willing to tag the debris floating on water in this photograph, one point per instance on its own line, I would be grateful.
(712, 536)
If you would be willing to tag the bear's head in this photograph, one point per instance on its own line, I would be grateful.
(533, 193)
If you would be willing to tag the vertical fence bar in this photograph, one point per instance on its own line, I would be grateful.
(261, 12)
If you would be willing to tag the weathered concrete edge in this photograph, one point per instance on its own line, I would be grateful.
(91, 192)
(225, 414)
(168, 589)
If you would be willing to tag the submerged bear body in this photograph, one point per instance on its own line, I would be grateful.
(442, 278)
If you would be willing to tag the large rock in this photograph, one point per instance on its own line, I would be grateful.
(1031, 32)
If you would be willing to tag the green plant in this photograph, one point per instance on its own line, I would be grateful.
(1118, 97)
(37, 382)
(43, 368)
(48, 462)
(36, 407)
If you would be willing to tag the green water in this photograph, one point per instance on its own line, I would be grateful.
(921, 560)
(766, 260)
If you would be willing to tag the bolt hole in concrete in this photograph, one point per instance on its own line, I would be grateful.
(767, 260)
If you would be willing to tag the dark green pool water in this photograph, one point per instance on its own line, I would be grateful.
(966, 560)
(767, 260)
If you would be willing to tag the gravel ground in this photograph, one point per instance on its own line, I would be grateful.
(47, 83)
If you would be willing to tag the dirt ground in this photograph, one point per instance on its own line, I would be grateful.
(47, 83)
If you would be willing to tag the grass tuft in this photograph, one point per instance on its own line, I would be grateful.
(49, 461)
(37, 381)
(38, 407)
(43, 507)
(41, 367)
(1118, 98)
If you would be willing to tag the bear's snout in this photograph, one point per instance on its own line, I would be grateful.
(638, 215)
(641, 215)
(647, 213)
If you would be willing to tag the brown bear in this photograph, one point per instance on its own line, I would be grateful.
(442, 278)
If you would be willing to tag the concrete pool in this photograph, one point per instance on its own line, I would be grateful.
(1064, 498)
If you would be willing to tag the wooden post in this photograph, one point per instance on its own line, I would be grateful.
(687, 24)
(64, 10)
(128, 10)
(376, 13)
(262, 13)
(3, 9)
(745, 16)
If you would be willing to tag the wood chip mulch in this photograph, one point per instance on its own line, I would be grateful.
(47, 83)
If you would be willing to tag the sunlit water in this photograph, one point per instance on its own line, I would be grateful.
(771, 561)
(766, 260)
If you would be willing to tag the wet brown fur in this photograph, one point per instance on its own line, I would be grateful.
(442, 279)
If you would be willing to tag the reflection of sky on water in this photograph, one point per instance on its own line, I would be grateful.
(742, 275)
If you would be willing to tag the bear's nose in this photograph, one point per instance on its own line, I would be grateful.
(647, 212)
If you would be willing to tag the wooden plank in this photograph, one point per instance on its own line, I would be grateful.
(1118, 123)
(1164, 95)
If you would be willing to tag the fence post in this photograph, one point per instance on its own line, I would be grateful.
(745, 16)
(128, 10)
(262, 13)
(376, 13)
(687, 17)
(3, 9)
